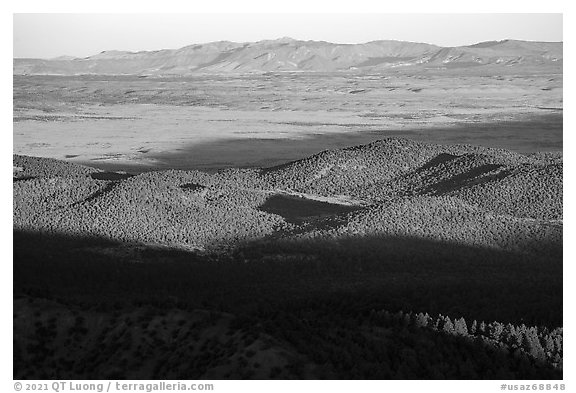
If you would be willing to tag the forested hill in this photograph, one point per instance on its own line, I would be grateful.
(519, 196)
(313, 263)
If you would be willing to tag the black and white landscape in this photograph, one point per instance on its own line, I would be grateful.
(289, 209)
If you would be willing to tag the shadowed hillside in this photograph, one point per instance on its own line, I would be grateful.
(395, 259)
(283, 310)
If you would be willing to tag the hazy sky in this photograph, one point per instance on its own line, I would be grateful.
(51, 35)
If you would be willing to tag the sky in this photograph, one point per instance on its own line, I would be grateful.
(50, 35)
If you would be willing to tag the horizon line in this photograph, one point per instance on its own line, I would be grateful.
(285, 38)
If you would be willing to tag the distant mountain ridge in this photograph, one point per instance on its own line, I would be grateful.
(290, 55)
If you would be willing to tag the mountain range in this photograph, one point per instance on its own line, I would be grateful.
(290, 55)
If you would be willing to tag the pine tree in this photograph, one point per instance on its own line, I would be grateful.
(515, 340)
(558, 343)
(474, 327)
(532, 345)
(495, 330)
(482, 328)
(508, 333)
(448, 326)
(460, 327)
(548, 345)
(407, 319)
(421, 320)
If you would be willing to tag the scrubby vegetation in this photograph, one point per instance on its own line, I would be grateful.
(320, 300)
(151, 208)
(306, 286)
(449, 219)
(47, 167)
(347, 170)
(147, 342)
(497, 180)
(528, 191)
(454, 193)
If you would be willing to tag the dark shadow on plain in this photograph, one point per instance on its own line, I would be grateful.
(540, 133)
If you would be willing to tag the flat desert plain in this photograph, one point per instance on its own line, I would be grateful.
(208, 122)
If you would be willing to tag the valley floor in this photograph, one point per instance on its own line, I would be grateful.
(214, 122)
